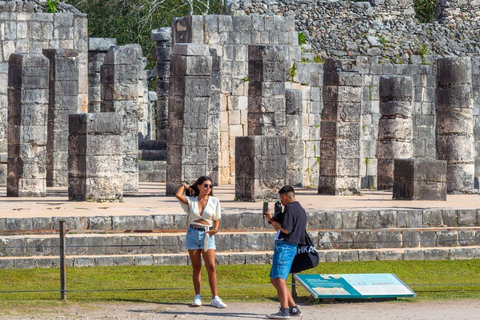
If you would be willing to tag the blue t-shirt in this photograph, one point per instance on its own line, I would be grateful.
(295, 221)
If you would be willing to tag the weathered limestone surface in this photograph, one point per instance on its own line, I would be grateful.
(163, 38)
(340, 149)
(95, 157)
(27, 124)
(188, 115)
(97, 49)
(454, 123)
(261, 167)
(213, 161)
(120, 78)
(63, 100)
(266, 90)
(416, 179)
(27, 28)
(395, 126)
(231, 36)
(293, 131)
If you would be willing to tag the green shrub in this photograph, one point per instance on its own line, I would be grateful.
(302, 39)
(52, 6)
(425, 10)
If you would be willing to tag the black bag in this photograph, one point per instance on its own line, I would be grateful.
(306, 257)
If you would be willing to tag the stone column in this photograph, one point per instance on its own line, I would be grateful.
(394, 127)
(261, 163)
(120, 76)
(95, 157)
(214, 119)
(63, 100)
(454, 126)
(187, 143)
(293, 131)
(266, 90)
(27, 124)
(163, 38)
(340, 130)
(97, 49)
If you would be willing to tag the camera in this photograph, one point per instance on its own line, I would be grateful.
(277, 208)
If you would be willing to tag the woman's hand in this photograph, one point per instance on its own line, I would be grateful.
(181, 193)
(212, 232)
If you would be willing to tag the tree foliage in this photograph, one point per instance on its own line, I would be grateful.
(130, 21)
(425, 10)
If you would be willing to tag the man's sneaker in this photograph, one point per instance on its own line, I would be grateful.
(197, 301)
(294, 311)
(218, 303)
(282, 314)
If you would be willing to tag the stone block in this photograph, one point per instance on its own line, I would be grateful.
(104, 261)
(413, 255)
(466, 218)
(348, 256)
(416, 179)
(367, 255)
(237, 259)
(24, 263)
(384, 255)
(144, 260)
(411, 239)
(432, 218)
(454, 71)
(462, 253)
(46, 263)
(260, 166)
(84, 261)
(101, 44)
(123, 261)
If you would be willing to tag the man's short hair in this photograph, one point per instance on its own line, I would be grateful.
(286, 189)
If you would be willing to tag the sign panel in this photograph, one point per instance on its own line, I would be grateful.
(354, 286)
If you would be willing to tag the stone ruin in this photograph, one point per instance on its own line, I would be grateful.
(240, 99)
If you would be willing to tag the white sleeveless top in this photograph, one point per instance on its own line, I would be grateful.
(210, 213)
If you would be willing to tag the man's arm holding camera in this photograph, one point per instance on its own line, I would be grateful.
(276, 225)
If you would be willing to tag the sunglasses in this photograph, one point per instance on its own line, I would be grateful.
(209, 186)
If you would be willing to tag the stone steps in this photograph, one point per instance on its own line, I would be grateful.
(228, 258)
(111, 243)
(253, 219)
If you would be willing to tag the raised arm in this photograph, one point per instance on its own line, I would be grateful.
(180, 195)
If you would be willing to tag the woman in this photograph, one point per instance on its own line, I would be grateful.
(204, 215)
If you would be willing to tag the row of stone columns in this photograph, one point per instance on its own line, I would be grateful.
(340, 151)
(43, 91)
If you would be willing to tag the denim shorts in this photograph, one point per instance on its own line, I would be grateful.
(283, 254)
(196, 240)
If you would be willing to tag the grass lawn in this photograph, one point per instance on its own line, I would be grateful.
(238, 283)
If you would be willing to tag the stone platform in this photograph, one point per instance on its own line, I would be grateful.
(148, 229)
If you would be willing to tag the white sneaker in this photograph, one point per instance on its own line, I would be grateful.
(218, 303)
(197, 301)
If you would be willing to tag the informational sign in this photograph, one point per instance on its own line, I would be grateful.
(354, 286)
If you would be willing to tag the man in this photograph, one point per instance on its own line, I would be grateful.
(292, 233)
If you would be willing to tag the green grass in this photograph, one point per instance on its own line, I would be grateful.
(239, 283)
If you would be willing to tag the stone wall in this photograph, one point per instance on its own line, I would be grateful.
(383, 28)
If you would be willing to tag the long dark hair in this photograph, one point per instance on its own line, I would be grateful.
(201, 180)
